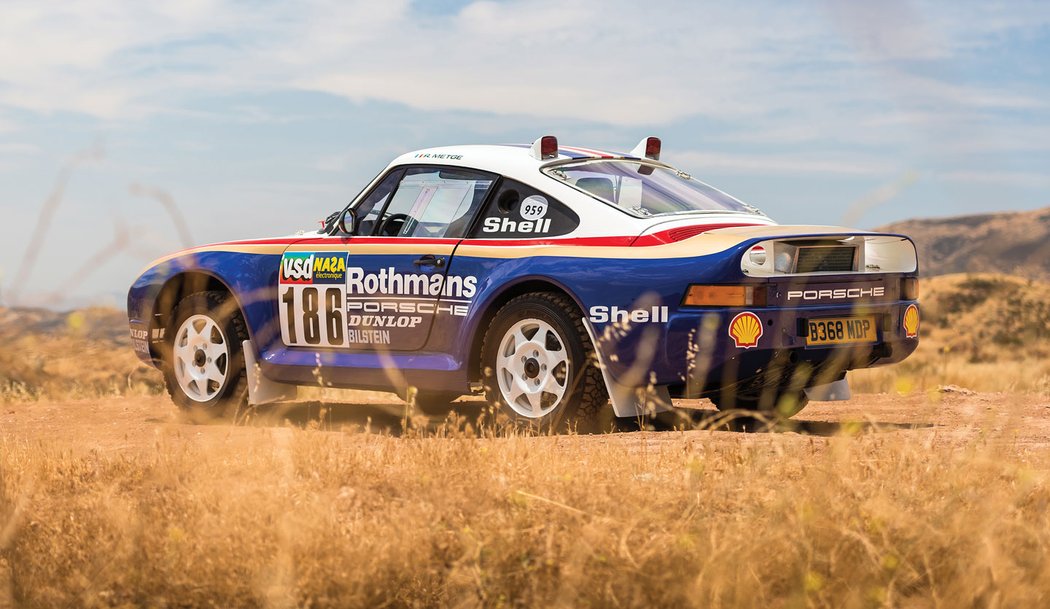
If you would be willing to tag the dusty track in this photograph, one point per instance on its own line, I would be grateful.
(120, 424)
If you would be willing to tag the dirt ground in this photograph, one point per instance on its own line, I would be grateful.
(129, 424)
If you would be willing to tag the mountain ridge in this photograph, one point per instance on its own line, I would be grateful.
(1012, 243)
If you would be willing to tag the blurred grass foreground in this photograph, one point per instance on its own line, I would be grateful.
(469, 515)
(306, 518)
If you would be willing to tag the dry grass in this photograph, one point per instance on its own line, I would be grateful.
(44, 354)
(979, 331)
(478, 517)
(306, 518)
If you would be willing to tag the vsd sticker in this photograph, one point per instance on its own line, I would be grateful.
(745, 330)
(313, 268)
(911, 321)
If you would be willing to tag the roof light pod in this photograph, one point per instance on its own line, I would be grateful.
(648, 148)
(545, 148)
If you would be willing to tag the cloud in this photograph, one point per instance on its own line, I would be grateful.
(18, 149)
(1015, 179)
(767, 164)
(614, 61)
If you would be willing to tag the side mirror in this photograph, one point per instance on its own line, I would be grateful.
(348, 222)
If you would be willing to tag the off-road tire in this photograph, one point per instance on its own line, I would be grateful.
(232, 395)
(585, 400)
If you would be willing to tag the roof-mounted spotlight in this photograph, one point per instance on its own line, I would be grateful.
(545, 148)
(648, 148)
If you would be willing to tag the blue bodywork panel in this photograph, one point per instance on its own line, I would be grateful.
(632, 305)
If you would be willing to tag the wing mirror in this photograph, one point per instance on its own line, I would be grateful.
(347, 222)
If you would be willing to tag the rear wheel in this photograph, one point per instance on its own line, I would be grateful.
(204, 366)
(539, 366)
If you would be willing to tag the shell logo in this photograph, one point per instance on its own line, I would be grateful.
(745, 330)
(911, 321)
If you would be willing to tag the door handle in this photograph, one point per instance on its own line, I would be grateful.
(429, 260)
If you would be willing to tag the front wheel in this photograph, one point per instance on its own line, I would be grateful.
(539, 366)
(204, 366)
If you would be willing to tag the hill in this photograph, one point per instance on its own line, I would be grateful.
(1016, 243)
(986, 332)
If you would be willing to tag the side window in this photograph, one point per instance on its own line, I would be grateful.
(368, 209)
(434, 202)
(519, 211)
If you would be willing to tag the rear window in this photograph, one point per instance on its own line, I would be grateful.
(518, 211)
(645, 189)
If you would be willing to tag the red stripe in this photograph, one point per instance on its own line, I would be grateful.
(659, 238)
(578, 241)
(667, 236)
(378, 241)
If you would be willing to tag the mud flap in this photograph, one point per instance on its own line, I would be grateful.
(629, 401)
(262, 390)
(832, 392)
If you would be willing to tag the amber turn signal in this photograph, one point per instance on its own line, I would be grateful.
(725, 296)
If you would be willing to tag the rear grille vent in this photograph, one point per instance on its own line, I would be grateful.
(684, 232)
(824, 259)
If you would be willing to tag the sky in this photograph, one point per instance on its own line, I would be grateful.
(130, 129)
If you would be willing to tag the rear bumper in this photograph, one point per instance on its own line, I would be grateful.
(698, 355)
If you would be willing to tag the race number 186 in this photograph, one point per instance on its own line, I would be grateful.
(313, 315)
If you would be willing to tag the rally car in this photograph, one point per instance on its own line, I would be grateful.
(559, 281)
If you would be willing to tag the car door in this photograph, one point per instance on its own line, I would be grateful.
(389, 282)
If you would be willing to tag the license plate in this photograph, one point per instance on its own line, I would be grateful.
(840, 331)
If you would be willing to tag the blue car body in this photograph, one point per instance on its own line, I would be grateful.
(629, 278)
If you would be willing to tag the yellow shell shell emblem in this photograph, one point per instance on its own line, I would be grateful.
(745, 330)
(911, 321)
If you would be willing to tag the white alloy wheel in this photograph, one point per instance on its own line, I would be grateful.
(532, 368)
(201, 358)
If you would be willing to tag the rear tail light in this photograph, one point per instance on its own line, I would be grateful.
(545, 148)
(725, 296)
(648, 148)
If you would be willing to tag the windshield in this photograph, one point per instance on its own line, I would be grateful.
(644, 189)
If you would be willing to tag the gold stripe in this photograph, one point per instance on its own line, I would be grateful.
(233, 249)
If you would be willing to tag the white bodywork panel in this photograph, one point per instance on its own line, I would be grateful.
(262, 390)
(597, 218)
(629, 401)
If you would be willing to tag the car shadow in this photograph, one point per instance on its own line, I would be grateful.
(713, 420)
(391, 418)
(395, 418)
